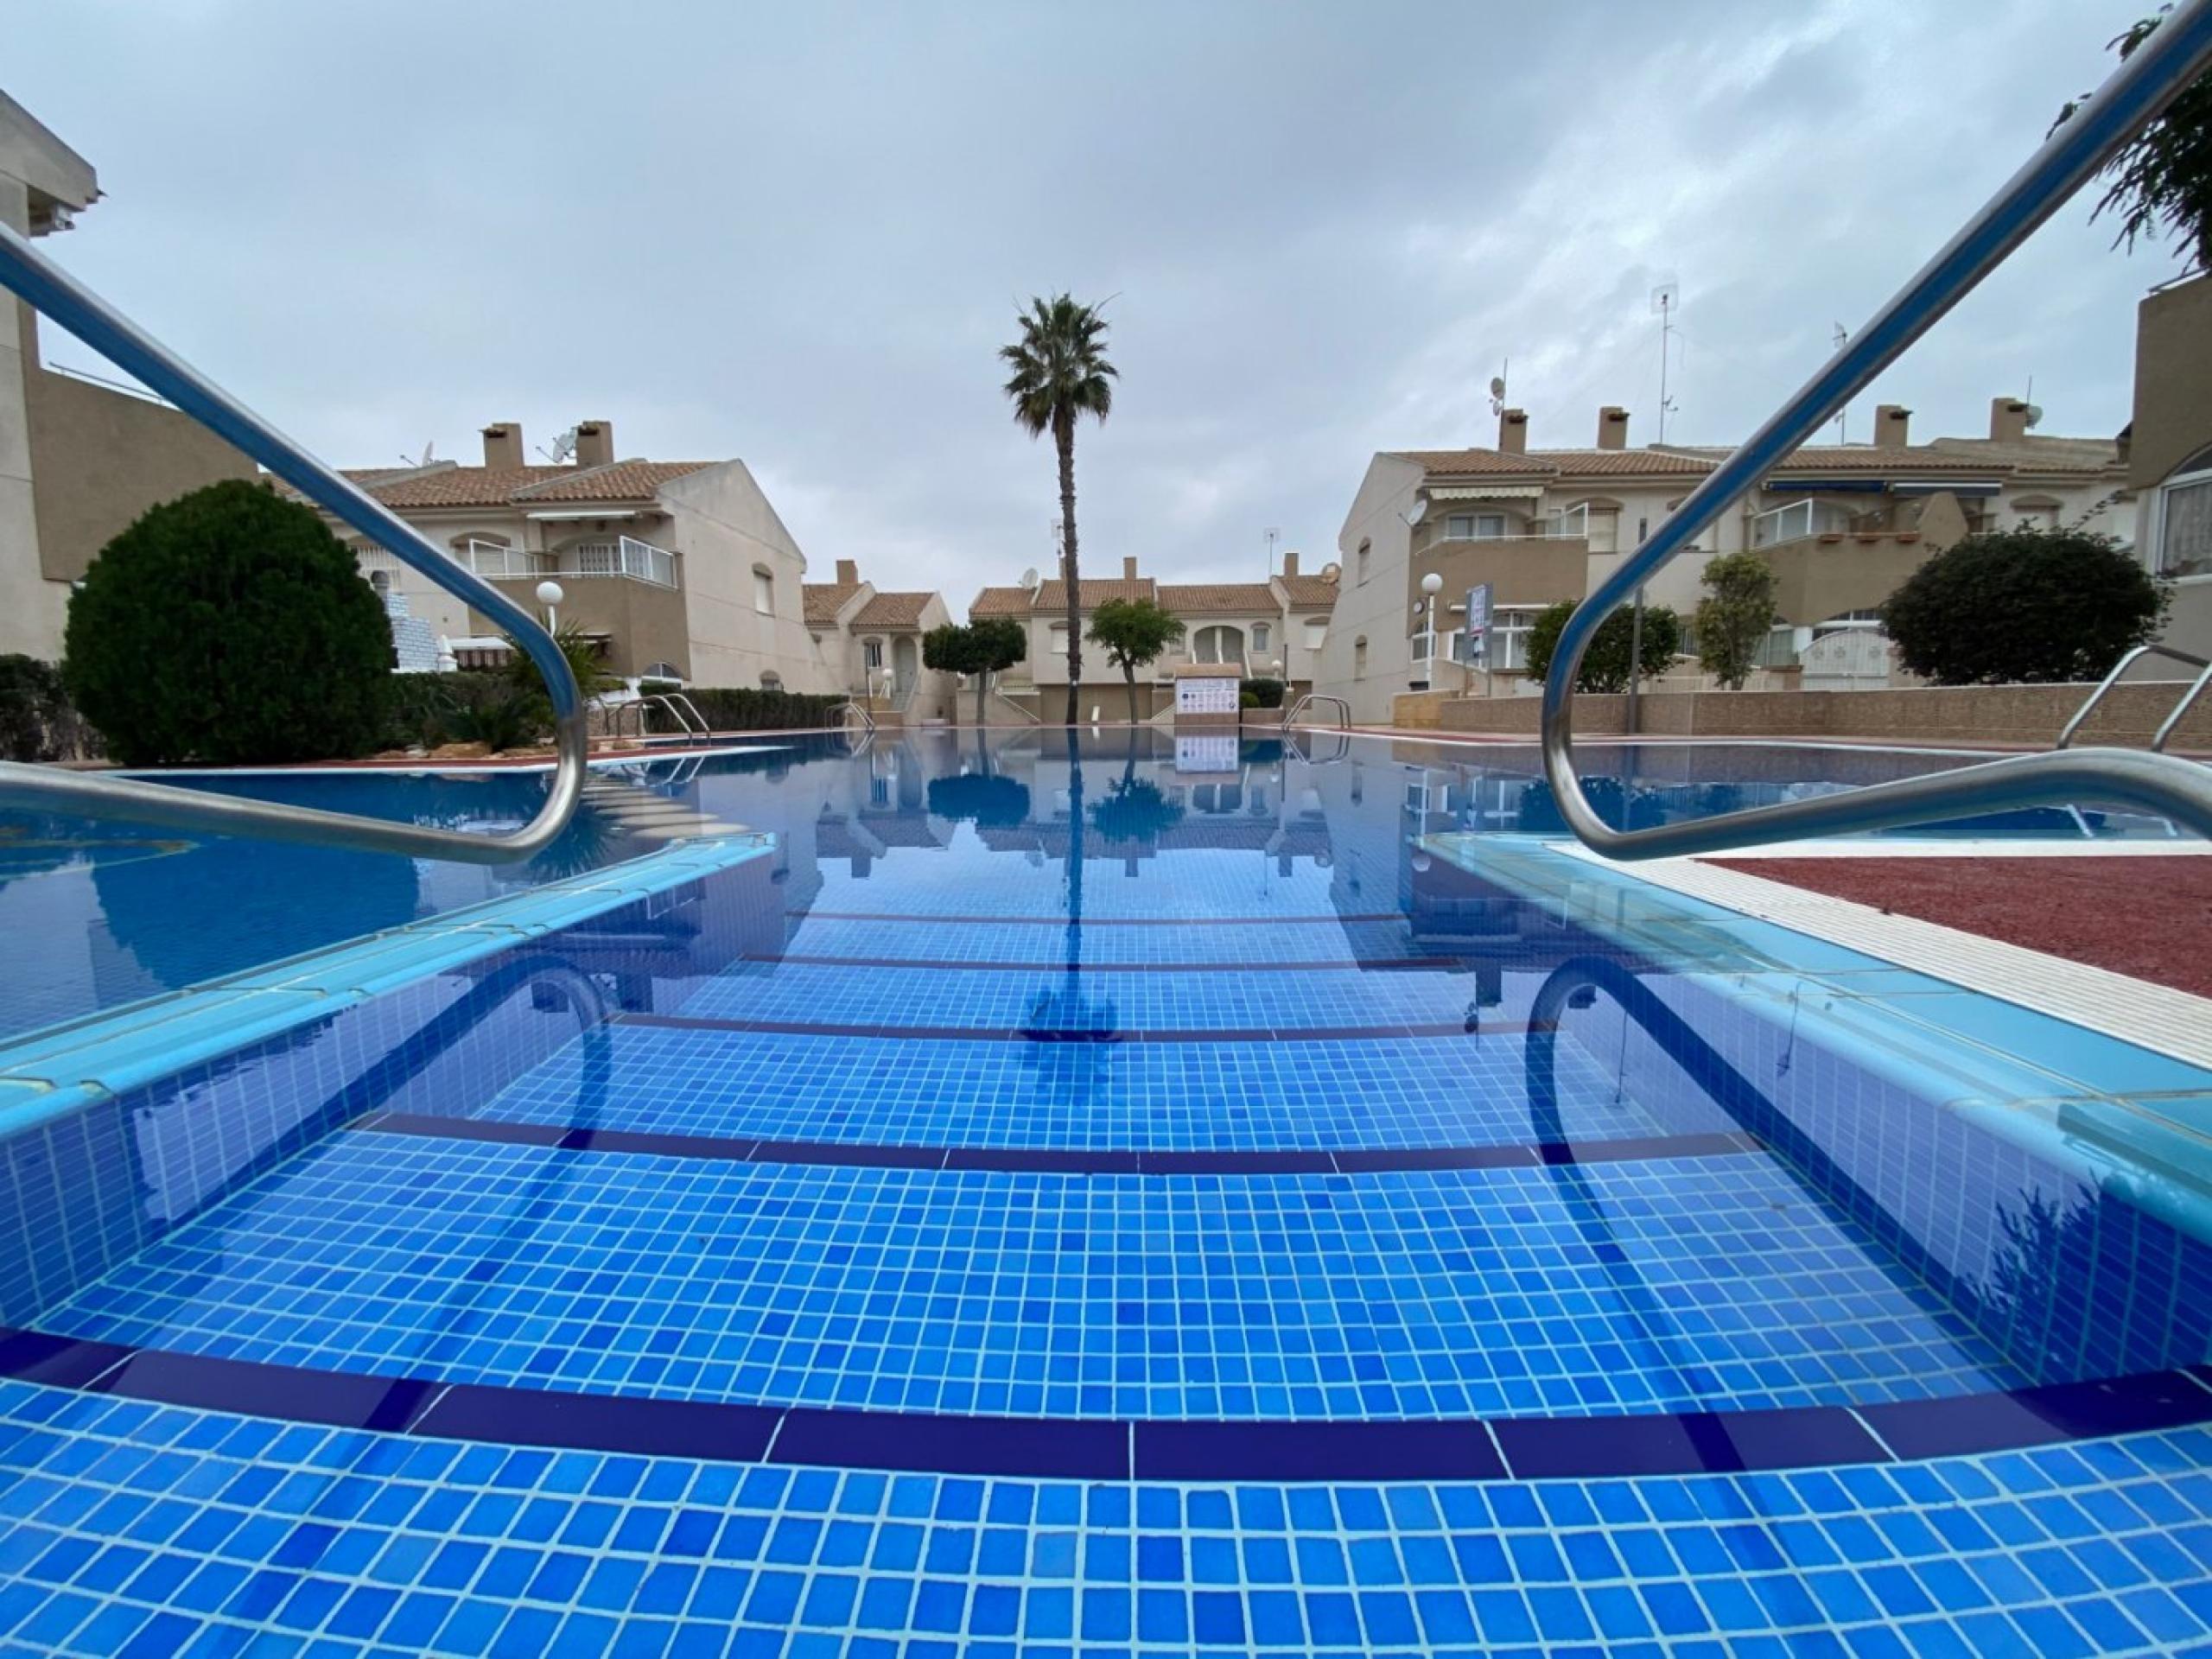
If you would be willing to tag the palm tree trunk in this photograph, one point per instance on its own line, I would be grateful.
(1063, 439)
(1130, 674)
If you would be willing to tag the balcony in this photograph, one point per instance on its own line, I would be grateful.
(614, 555)
(1832, 573)
(1521, 569)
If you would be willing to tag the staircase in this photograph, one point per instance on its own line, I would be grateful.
(640, 810)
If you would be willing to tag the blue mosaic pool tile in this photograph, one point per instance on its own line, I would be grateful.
(141, 1527)
(1670, 1285)
(1369, 1092)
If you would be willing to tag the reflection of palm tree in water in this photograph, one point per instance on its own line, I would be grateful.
(1061, 1011)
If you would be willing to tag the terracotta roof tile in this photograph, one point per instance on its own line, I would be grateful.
(625, 481)
(1912, 459)
(1624, 463)
(1311, 592)
(2038, 453)
(822, 600)
(893, 611)
(1458, 461)
(1219, 596)
(486, 486)
(1096, 590)
(1000, 601)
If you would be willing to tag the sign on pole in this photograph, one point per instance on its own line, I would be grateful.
(1475, 641)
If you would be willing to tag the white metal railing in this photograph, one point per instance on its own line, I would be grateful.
(1797, 521)
(496, 560)
(620, 555)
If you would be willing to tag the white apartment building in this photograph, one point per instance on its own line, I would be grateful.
(1264, 630)
(1842, 524)
(680, 568)
(870, 642)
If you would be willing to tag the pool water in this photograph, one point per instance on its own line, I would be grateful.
(1067, 1194)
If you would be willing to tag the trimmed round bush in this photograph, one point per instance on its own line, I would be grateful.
(229, 627)
(2024, 606)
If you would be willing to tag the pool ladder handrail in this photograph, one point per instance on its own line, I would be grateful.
(2166, 730)
(48, 288)
(2172, 57)
(841, 717)
(1305, 702)
(668, 700)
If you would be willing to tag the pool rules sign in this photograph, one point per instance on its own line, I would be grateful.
(1207, 694)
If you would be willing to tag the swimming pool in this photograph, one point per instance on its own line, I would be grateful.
(1044, 1195)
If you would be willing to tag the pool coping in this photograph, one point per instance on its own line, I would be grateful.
(50, 1073)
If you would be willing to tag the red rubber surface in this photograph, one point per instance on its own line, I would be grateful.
(2144, 916)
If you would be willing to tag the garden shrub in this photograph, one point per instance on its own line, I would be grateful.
(229, 626)
(2024, 606)
(36, 722)
(1604, 665)
(1265, 693)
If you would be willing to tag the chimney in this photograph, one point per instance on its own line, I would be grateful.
(1129, 568)
(503, 446)
(1890, 426)
(1290, 565)
(594, 443)
(848, 573)
(1513, 432)
(1613, 426)
(2008, 420)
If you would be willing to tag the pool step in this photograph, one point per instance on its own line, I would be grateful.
(650, 816)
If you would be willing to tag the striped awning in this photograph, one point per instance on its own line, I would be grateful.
(1485, 493)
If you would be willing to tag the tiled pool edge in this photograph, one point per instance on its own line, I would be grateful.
(50, 1073)
(1893, 1434)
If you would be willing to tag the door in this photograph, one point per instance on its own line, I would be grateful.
(904, 667)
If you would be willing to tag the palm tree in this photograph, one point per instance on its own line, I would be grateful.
(1060, 374)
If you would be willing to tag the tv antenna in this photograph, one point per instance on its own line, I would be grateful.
(1666, 300)
(1840, 338)
(1498, 388)
(2035, 408)
(1272, 535)
(563, 447)
(427, 456)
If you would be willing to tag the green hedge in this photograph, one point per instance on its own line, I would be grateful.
(743, 709)
(1261, 693)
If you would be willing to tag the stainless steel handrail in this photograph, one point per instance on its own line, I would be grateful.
(672, 698)
(1344, 709)
(840, 713)
(51, 290)
(2172, 56)
(2166, 730)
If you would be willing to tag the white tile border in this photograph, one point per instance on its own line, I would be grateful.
(2151, 1016)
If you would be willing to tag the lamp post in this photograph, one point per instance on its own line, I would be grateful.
(1431, 586)
(550, 596)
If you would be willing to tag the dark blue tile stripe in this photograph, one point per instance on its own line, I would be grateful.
(1061, 1160)
(1446, 1028)
(1522, 1448)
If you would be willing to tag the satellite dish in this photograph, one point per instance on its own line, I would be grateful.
(2035, 415)
(1331, 571)
(1667, 297)
(1029, 577)
(1498, 386)
(563, 447)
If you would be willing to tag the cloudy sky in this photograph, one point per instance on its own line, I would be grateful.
(798, 233)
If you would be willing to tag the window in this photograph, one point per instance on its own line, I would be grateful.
(663, 671)
(1317, 633)
(1359, 657)
(1474, 527)
(1217, 644)
(1506, 644)
(872, 653)
(770, 681)
(381, 581)
(1260, 634)
(1359, 563)
(764, 590)
(2184, 532)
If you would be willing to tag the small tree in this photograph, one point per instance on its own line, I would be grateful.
(1604, 665)
(2162, 182)
(229, 626)
(1735, 617)
(984, 648)
(2024, 606)
(1133, 632)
